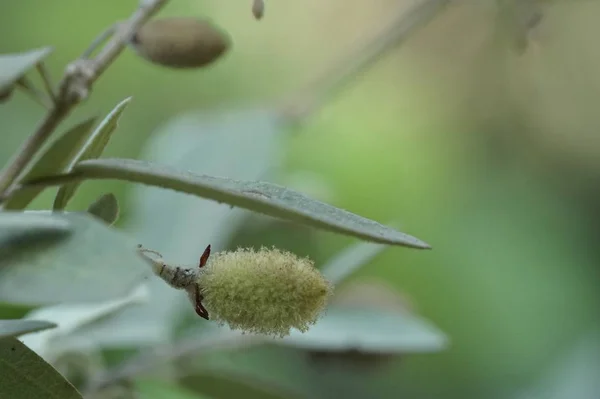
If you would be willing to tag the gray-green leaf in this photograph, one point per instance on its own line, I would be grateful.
(369, 331)
(105, 208)
(23, 374)
(55, 159)
(93, 149)
(14, 66)
(93, 263)
(14, 328)
(267, 198)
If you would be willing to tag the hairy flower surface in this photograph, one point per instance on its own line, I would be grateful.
(266, 291)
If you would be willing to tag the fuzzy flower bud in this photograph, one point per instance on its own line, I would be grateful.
(266, 292)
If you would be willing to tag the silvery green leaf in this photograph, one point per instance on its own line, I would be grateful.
(14, 328)
(14, 66)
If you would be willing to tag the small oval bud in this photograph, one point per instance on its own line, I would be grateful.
(265, 292)
(180, 42)
(258, 9)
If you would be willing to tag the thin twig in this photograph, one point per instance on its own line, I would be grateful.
(394, 33)
(74, 87)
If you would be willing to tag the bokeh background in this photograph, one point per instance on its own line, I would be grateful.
(485, 149)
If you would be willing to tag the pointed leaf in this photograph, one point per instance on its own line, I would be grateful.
(349, 260)
(105, 208)
(14, 328)
(56, 159)
(93, 263)
(23, 374)
(14, 66)
(92, 149)
(267, 198)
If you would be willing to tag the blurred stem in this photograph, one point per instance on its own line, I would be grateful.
(394, 33)
(74, 87)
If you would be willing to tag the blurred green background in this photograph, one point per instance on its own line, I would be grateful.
(490, 155)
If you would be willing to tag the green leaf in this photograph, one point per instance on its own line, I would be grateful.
(105, 208)
(368, 331)
(93, 263)
(23, 374)
(55, 159)
(267, 198)
(349, 260)
(13, 328)
(14, 66)
(156, 389)
(92, 149)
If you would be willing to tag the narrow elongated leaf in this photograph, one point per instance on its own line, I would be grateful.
(56, 159)
(14, 66)
(93, 263)
(105, 208)
(349, 260)
(262, 197)
(23, 374)
(369, 331)
(14, 328)
(92, 149)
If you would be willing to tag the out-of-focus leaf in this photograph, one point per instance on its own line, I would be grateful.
(23, 233)
(263, 197)
(23, 374)
(105, 208)
(94, 263)
(368, 331)
(12, 223)
(72, 317)
(156, 389)
(184, 226)
(349, 260)
(229, 385)
(14, 66)
(14, 328)
(93, 149)
(55, 159)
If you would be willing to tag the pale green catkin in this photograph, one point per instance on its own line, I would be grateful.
(265, 292)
